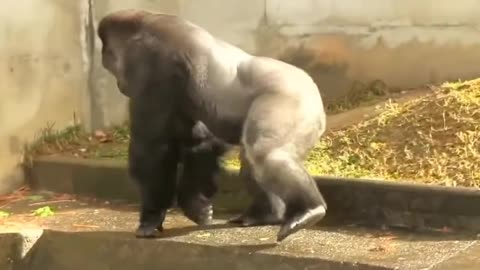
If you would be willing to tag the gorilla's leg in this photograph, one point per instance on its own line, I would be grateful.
(278, 134)
(154, 167)
(266, 208)
(197, 185)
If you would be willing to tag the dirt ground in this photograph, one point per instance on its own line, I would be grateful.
(362, 113)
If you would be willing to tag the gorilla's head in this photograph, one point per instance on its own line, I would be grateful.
(116, 32)
(143, 51)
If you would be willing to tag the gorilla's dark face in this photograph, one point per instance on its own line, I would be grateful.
(112, 61)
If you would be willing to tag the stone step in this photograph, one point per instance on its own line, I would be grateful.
(86, 234)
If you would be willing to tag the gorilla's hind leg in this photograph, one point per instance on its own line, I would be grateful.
(266, 208)
(305, 204)
(278, 133)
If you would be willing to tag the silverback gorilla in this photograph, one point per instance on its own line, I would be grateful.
(176, 76)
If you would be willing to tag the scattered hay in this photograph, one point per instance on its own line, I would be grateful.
(433, 139)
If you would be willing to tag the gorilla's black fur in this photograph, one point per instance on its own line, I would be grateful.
(182, 81)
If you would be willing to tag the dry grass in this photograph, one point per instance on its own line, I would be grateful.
(433, 139)
(74, 141)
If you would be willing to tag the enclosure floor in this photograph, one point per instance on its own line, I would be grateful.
(393, 250)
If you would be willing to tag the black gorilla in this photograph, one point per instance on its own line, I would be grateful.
(177, 75)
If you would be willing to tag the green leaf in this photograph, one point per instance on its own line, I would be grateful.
(44, 212)
(4, 214)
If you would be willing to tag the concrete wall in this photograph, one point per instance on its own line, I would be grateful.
(404, 43)
(50, 69)
(43, 74)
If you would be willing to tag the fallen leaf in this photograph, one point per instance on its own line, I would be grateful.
(446, 229)
(4, 214)
(101, 136)
(377, 249)
(43, 212)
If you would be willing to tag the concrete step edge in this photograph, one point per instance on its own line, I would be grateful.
(368, 202)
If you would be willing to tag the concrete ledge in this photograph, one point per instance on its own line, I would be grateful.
(10, 250)
(85, 234)
(367, 202)
(100, 250)
(59, 250)
(14, 246)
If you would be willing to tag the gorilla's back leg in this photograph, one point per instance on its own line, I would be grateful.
(278, 133)
(266, 208)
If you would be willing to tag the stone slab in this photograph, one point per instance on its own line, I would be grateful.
(9, 250)
(15, 245)
(86, 234)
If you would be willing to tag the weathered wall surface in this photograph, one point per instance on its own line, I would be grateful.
(347, 44)
(51, 71)
(404, 43)
(42, 74)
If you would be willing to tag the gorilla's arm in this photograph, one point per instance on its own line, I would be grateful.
(153, 158)
(201, 156)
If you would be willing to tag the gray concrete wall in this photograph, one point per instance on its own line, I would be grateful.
(404, 43)
(43, 74)
(51, 64)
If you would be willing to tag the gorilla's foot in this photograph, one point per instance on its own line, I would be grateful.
(148, 231)
(307, 219)
(249, 220)
(199, 210)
